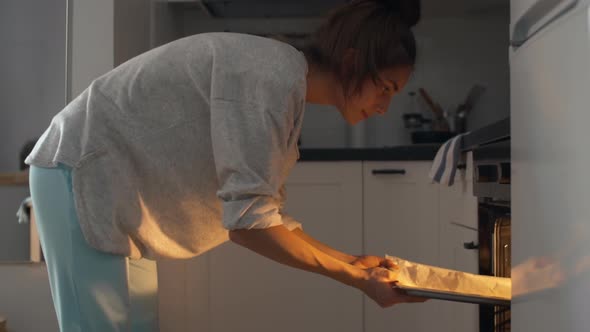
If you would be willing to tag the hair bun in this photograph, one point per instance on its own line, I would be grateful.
(409, 10)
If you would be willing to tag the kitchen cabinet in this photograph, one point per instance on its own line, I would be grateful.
(406, 215)
(455, 316)
(400, 210)
(401, 219)
(458, 227)
(457, 203)
(243, 291)
(346, 206)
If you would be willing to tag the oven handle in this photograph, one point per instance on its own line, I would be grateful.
(467, 245)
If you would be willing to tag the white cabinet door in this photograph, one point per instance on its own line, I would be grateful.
(251, 293)
(458, 225)
(401, 219)
(344, 205)
(455, 316)
(457, 203)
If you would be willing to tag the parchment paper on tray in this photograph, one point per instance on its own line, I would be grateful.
(444, 284)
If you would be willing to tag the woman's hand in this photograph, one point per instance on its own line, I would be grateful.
(367, 262)
(380, 287)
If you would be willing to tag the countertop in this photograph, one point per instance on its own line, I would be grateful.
(402, 152)
(494, 132)
(497, 131)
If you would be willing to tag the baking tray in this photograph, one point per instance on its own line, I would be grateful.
(455, 297)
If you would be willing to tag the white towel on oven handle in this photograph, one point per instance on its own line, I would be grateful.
(445, 163)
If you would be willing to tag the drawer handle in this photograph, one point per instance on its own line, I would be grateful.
(388, 171)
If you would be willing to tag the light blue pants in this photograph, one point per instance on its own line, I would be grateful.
(92, 291)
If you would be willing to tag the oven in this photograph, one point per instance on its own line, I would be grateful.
(491, 185)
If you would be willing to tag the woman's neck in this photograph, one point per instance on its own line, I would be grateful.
(323, 87)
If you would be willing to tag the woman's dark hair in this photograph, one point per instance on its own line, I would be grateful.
(378, 30)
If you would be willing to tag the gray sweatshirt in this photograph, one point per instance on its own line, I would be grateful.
(178, 145)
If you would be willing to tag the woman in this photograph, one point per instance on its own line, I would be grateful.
(174, 151)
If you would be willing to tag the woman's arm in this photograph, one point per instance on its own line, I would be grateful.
(362, 261)
(323, 247)
(281, 245)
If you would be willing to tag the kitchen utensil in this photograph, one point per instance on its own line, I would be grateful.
(414, 120)
(440, 283)
(440, 123)
(455, 297)
(474, 94)
(465, 108)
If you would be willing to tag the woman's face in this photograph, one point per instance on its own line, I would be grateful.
(374, 97)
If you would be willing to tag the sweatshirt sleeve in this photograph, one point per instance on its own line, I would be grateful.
(250, 147)
(288, 221)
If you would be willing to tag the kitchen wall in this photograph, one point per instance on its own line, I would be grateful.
(32, 77)
(153, 24)
(455, 52)
(33, 74)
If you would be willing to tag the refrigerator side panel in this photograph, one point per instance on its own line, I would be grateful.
(550, 116)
